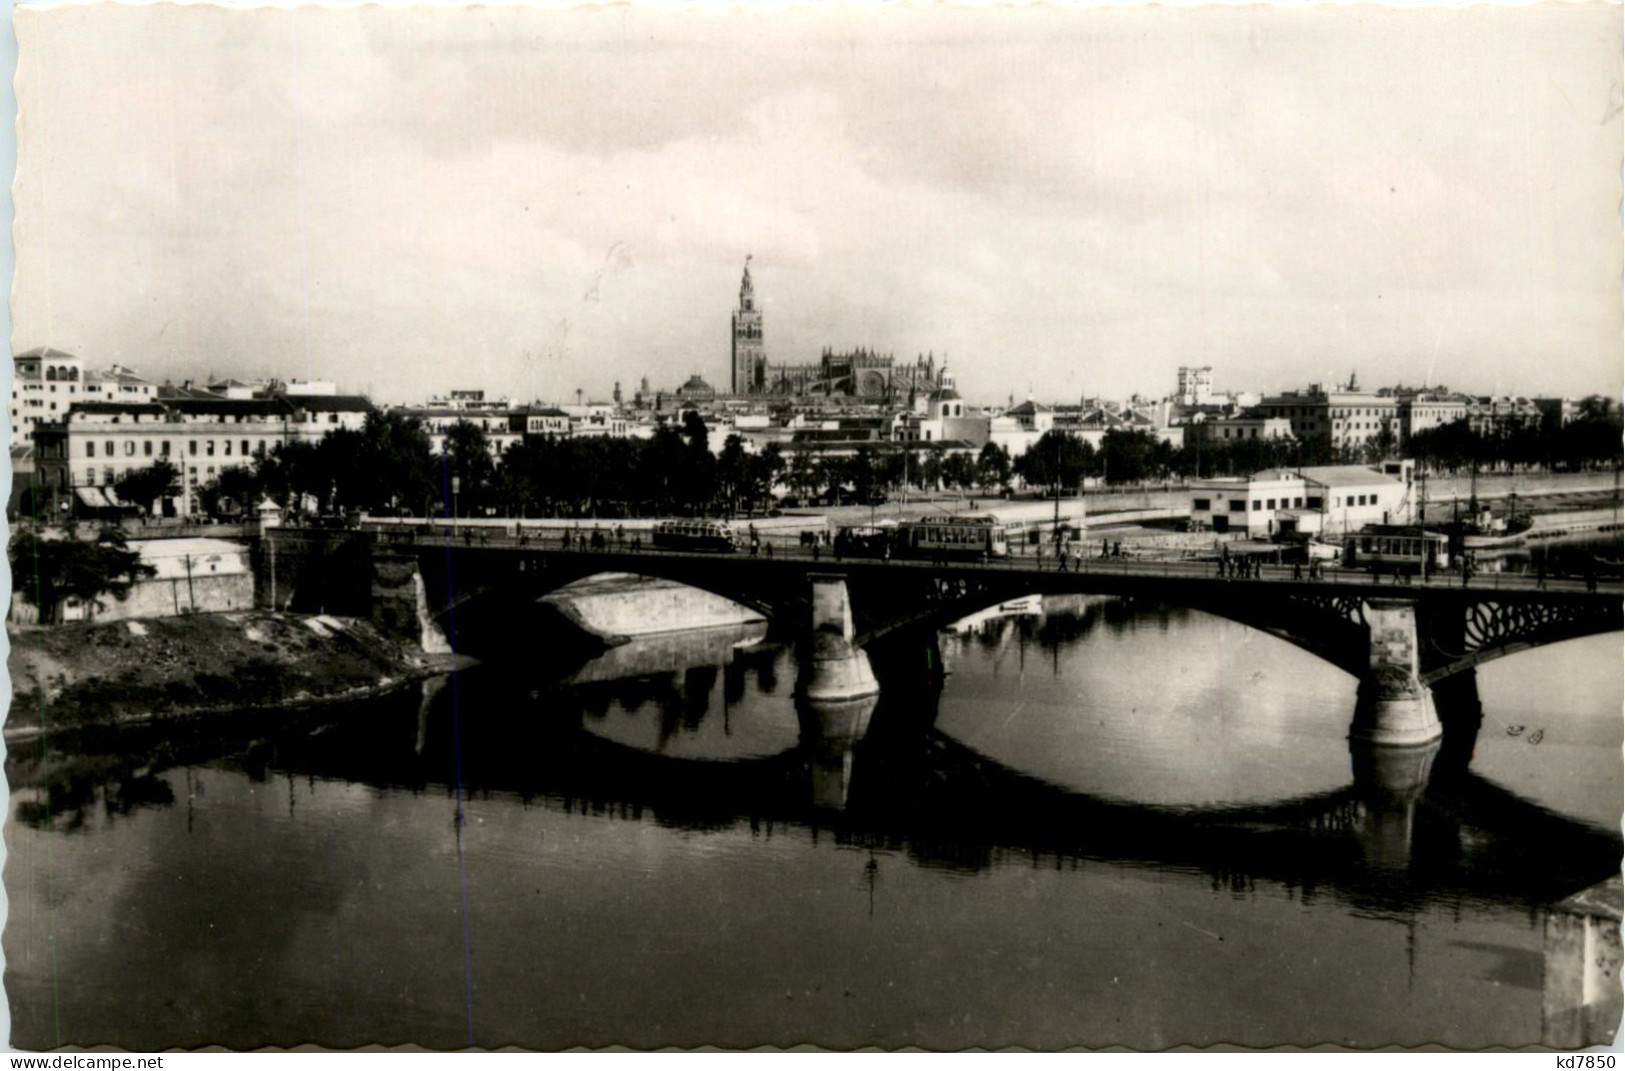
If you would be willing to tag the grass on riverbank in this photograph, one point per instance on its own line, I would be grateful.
(125, 672)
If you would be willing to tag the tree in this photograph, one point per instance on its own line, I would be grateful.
(236, 490)
(803, 475)
(696, 484)
(863, 470)
(346, 482)
(959, 470)
(289, 474)
(51, 567)
(993, 466)
(1134, 456)
(400, 468)
(732, 474)
(467, 468)
(145, 486)
(763, 473)
(931, 469)
(1382, 445)
(1057, 462)
(660, 470)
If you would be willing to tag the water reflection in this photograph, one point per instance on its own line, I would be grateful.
(1077, 756)
(1134, 792)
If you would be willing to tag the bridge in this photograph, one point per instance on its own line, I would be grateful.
(1401, 640)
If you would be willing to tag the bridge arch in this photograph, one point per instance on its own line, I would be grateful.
(1493, 630)
(1331, 628)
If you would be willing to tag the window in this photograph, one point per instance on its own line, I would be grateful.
(1258, 503)
(1202, 505)
(1238, 505)
(107, 448)
(146, 448)
(1269, 503)
(163, 448)
(107, 475)
(90, 449)
(1297, 503)
(191, 447)
(228, 447)
(208, 448)
(244, 450)
(129, 447)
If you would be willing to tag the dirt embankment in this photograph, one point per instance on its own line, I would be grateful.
(127, 672)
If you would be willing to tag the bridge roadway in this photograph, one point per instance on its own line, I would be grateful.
(1086, 574)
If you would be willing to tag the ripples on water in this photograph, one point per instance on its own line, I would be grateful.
(1112, 825)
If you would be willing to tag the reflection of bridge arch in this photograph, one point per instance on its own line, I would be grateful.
(944, 804)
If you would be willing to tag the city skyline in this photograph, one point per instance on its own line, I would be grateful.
(538, 202)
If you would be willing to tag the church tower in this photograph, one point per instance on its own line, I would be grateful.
(749, 357)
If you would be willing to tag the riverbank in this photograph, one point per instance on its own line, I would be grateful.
(133, 672)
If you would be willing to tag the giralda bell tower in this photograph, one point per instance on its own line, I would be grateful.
(750, 359)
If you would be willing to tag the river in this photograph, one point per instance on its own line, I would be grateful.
(1111, 824)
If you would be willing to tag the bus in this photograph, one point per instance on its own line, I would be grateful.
(953, 537)
(694, 535)
(1399, 548)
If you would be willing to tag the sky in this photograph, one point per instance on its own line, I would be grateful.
(1061, 202)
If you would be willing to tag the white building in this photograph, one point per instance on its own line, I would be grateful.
(88, 449)
(1195, 385)
(1333, 499)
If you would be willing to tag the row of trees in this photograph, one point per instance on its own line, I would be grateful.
(1592, 440)
(387, 466)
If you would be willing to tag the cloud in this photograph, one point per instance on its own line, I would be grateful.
(543, 200)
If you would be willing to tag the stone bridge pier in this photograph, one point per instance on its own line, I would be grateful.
(1395, 709)
(836, 669)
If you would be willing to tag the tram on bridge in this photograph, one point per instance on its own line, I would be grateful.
(973, 538)
(1399, 548)
(716, 536)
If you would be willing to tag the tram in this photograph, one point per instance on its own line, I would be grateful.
(946, 537)
(714, 536)
(954, 537)
(1397, 548)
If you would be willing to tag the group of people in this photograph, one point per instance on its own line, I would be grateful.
(576, 539)
(1239, 568)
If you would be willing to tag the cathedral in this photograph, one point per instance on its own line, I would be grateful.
(860, 375)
